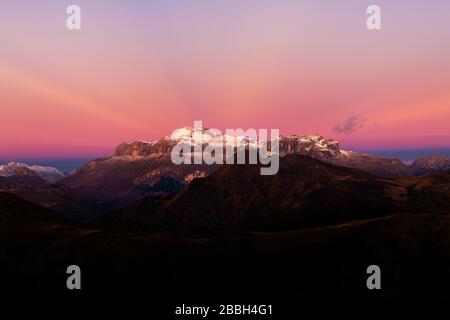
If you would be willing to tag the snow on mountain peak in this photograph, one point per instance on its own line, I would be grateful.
(307, 144)
(186, 133)
(49, 174)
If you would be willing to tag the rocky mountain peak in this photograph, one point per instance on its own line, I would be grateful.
(15, 169)
(424, 164)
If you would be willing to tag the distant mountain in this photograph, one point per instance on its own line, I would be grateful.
(14, 169)
(328, 150)
(15, 175)
(426, 164)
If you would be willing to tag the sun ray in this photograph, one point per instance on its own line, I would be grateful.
(66, 98)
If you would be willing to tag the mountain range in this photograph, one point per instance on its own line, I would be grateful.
(317, 146)
(142, 169)
(136, 221)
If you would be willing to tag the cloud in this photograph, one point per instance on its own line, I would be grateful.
(350, 125)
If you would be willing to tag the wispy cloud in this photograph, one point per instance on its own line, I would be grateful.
(350, 125)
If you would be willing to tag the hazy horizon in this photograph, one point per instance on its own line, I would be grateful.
(73, 163)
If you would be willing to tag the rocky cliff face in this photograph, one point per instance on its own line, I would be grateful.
(145, 149)
(312, 145)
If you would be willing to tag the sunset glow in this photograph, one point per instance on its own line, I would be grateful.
(137, 70)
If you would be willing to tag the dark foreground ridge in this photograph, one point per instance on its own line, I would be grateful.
(309, 232)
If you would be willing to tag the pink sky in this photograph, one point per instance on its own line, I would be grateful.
(138, 71)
